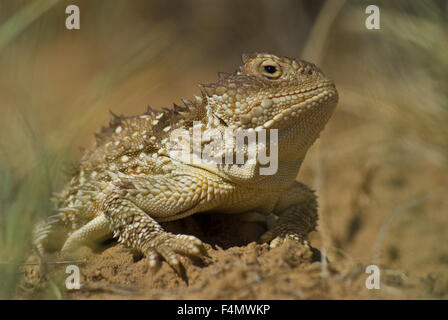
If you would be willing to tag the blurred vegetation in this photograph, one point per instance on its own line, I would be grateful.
(56, 85)
(403, 70)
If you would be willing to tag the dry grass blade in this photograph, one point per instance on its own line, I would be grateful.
(20, 20)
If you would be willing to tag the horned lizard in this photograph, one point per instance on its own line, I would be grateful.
(129, 182)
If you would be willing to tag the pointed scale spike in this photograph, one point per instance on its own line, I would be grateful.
(177, 109)
(98, 137)
(199, 100)
(149, 110)
(188, 104)
(245, 57)
(223, 75)
(207, 89)
(114, 116)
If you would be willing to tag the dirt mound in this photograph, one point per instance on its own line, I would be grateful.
(239, 268)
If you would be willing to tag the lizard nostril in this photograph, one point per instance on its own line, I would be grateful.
(307, 71)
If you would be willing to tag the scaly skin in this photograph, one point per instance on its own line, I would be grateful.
(129, 182)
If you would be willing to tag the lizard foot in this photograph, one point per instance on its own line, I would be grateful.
(168, 245)
(276, 239)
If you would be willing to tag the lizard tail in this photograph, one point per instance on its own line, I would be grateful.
(42, 231)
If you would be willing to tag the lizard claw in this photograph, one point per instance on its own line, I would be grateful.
(168, 245)
(267, 236)
(277, 240)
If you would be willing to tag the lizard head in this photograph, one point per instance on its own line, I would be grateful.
(271, 92)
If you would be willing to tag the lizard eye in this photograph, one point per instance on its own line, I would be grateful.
(270, 69)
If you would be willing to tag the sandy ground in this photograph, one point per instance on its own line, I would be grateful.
(252, 271)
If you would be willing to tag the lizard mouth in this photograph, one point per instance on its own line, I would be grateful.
(304, 102)
(273, 111)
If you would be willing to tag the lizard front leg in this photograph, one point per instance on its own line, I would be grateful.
(297, 211)
(136, 229)
(138, 203)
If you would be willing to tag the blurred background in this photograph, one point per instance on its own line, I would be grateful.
(380, 168)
